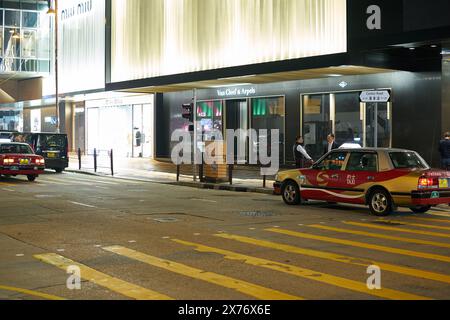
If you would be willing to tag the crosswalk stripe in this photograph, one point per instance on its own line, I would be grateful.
(247, 288)
(305, 273)
(417, 273)
(31, 293)
(67, 182)
(381, 236)
(122, 287)
(420, 225)
(362, 245)
(93, 181)
(379, 227)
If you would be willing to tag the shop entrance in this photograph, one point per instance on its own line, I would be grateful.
(366, 124)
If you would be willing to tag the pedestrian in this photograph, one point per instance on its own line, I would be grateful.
(331, 144)
(444, 150)
(301, 156)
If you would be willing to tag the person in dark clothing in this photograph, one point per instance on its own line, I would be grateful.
(444, 150)
(331, 144)
(302, 158)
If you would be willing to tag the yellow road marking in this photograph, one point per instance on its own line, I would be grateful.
(381, 236)
(417, 273)
(221, 280)
(122, 287)
(362, 245)
(305, 273)
(430, 219)
(7, 184)
(420, 225)
(379, 227)
(31, 293)
(438, 214)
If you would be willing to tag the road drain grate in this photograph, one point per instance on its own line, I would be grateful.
(256, 214)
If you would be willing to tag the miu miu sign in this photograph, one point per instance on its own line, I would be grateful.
(78, 9)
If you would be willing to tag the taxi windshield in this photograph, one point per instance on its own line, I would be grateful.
(15, 149)
(407, 160)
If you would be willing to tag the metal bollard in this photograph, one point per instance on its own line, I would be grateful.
(264, 181)
(201, 173)
(230, 174)
(112, 162)
(79, 158)
(95, 160)
(178, 172)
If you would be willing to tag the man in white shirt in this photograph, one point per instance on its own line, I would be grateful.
(301, 156)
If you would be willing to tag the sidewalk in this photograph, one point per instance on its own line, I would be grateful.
(245, 179)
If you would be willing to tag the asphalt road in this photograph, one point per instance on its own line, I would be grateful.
(139, 240)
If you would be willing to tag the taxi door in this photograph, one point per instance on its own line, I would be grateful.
(360, 174)
(324, 180)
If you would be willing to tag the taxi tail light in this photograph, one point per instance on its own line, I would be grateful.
(427, 183)
(40, 161)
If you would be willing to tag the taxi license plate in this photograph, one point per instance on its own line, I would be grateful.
(14, 168)
(51, 155)
(24, 162)
(443, 183)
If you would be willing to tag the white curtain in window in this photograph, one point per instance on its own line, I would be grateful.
(163, 37)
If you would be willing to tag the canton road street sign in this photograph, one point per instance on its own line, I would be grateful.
(375, 96)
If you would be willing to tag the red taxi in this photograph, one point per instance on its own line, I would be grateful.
(383, 179)
(19, 159)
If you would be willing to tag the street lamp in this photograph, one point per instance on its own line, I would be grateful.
(53, 10)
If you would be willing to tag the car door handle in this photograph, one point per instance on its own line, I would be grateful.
(370, 178)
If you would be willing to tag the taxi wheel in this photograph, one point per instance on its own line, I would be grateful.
(31, 178)
(420, 209)
(380, 203)
(291, 193)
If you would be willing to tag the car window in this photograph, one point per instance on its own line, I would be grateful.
(15, 148)
(360, 161)
(334, 161)
(407, 160)
(51, 142)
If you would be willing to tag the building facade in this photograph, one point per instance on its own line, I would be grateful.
(300, 66)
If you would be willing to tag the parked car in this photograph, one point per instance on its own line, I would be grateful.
(383, 179)
(19, 159)
(5, 136)
(52, 146)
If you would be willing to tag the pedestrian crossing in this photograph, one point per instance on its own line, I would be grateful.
(66, 180)
(261, 249)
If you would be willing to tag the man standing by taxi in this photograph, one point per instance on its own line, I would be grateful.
(331, 144)
(444, 150)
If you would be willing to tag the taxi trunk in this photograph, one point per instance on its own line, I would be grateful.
(433, 188)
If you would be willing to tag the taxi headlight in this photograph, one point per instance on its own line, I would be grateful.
(277, 177)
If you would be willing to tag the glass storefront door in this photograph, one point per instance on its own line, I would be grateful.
(366, 124)
(378, 124)
(142, 131)
(237, 118)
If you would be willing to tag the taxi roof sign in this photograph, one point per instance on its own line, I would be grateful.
(375, 96)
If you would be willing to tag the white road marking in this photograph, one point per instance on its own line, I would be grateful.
(60, 250)
(103, 188)
(132, 241)
(82, 204)
(9, 190)
(20, 255)
(204, 200)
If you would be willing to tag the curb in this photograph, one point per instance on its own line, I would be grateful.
(198, 185)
